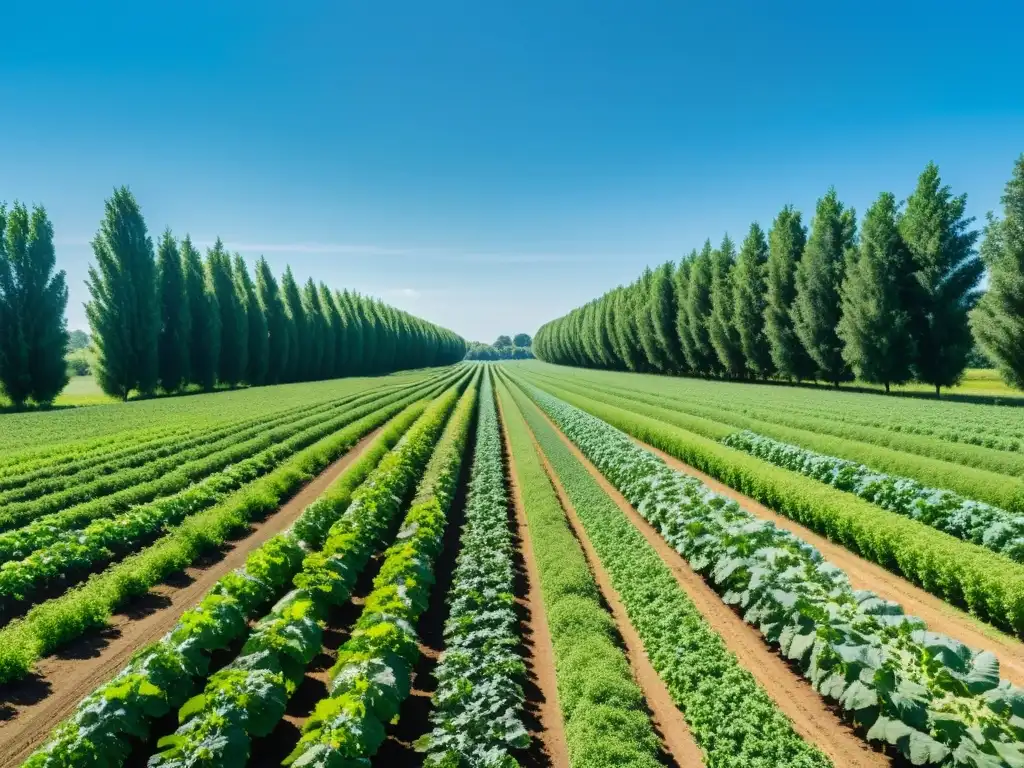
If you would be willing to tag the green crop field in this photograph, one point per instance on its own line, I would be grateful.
(498, 563)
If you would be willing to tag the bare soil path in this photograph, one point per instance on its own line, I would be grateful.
(811, 717)
(31, 708)
(939, 615)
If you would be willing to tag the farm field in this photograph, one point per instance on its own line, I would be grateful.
(513, 564)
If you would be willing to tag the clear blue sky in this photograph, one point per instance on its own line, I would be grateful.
(491, 165)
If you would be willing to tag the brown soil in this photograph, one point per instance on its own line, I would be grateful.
(812, 719)
(678, 744)
(34, 706)
(939, 615)
(551, 735)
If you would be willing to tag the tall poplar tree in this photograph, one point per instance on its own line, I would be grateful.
(875, 323)
(786, 242)
(123, 313)
(256, 324)
(664, 310)
(681, 283)
(698, 313)
(647, 333)
(269, 296)
(204, 319)
(335, 354)
(33, 331)
(725, 338)
(939, 236)
(316, 327)
(298, 336)
(998, 320)
(234, 324)
(750, 302)
(819, 275)
(353, 333)
(175, 319)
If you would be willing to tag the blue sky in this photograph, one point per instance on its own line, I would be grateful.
(490, 166)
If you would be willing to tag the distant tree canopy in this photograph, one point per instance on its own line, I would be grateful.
(78, 340)
(893, 303)
(167, 318)
(518, 347)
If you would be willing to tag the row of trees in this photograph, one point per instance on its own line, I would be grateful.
(33, 331)
(170, 319)
(888, 304)
(504, 348)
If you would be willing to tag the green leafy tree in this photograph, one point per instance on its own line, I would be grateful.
(998, 320)
(664, 310)
(786, 242)
(819, 275)
(204, 319)
(875, 323)
(725, 337)
(750, 303)
(354, 333)
(336, 354)
(258, 360)
(948, 270)
(175, 318)
(234, 323)
(703, 359)
(522, 340)
(77, 339)
(647, 332)
(316, 328)
(33, 332)
(681, 283)
(502, 341)
(123, 313)
(269, 296)
(298, 332)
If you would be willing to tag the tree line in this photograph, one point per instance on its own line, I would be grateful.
(503, 348)
(896, 301)
(166, 318)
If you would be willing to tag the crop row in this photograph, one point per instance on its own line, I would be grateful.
(972, 521)
(997, 485)
(247, 698)
(75, 552)
(478, 702)
(373, 672)
(145, 461)
(732, 718)
(162, 676)
(56, 622)
(930, 697)
(603, 709)
(176, 492)
(119, 492)
(989, 585)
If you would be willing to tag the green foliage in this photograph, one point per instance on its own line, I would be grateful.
(929, 696)
(175, 318)
(277, 320)
(78, 340)
(731, 717)
(602, 706)
(936, 230)
(876, 295)
(664, 311)
(33, 331)
(819, 275)
(998, 320)
(522, 340)
(787, 240)
(123, 312)
(316, 329)
(234, 322)
(650, 343)
(749, 287)
(725, 338)
(298, 329)
(204, 319)
(258, 337)
(701, 357)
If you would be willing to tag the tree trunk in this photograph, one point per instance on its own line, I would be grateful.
(937, 393)
(887, 387)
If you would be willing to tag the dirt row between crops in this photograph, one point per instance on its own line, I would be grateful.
(810, 716)
(34, 706)
(937, 614)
